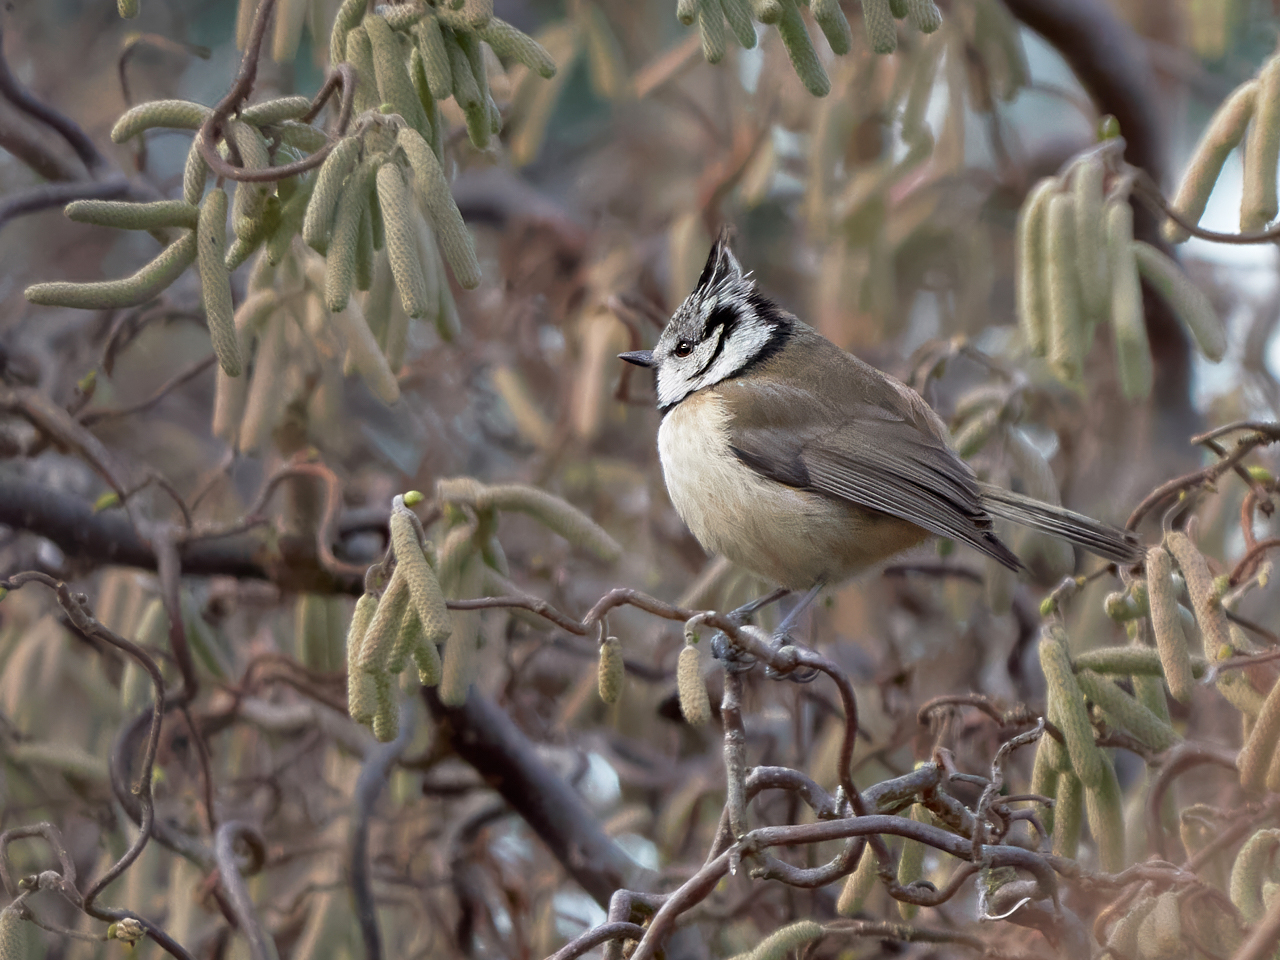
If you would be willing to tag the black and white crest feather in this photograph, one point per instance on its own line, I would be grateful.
(723, 328)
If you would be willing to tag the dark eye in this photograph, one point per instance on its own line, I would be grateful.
(683, 348)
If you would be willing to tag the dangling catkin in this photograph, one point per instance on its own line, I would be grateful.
(694, 702)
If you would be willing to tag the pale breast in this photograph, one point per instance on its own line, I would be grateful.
(791, 537)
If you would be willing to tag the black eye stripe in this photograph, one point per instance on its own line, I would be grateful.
(721, 316)
(715, 354)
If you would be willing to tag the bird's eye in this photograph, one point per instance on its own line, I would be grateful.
(683, 348)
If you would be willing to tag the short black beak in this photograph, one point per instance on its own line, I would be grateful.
(641, 358)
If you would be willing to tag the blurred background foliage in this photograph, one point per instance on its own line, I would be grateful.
(882, 214)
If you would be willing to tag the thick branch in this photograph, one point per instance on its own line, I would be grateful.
(484, 736)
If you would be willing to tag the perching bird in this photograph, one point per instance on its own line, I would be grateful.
(805, 465)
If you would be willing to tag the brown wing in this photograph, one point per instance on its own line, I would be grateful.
(837, 426)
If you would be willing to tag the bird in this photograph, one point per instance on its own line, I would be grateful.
(805, 465)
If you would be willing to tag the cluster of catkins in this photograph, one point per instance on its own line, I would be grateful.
(406, 617)
(878, 17)
(378, 210)
(1078, 264)
(1253, 107)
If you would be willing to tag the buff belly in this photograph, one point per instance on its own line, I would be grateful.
(790, 537)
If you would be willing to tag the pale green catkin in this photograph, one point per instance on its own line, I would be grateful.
(711, 30)
(215, 281)
(349, 14)
(377, 306)
(858, 885)
(1249, 871)
(365, 247)
(380, 639)
(1127, 713)
(366, 355)
(1187, 301)
(330, 183)
(610, 672)
(432, 271)
(691, 688)
(173, 114)
(687, 11)
(128, 9)
(340, 262)
(274, 111)
(253, 312)
(1221, 136)
(241, 249)
(386, 719)
(479, 119)
(1130, 661)
(1165, 926)
(898, 8)
(924, 15)
(462, 648)
(264, 404)
(1090, 231)
(194, 175)
(15, 934)
(399, 217)
(766, 11)
(311, 632)
(1067, 705)
(779, 944)
(408, 638)
(549, 510)
(1123, 936)
(394, 85)
(448, 323)
(911, 863)
(1068, 814)
(144, 285)
(465, 91)
(512, 44)
(402, 17)
(1044, 778)
(360, 685)
(1259, 749)
(134, 216)
(1166, 622)
(432, 190)
(291, 216)
(300, 136)
(1258, 205)
(1208, 611)
(975, 433)
(1066, 334)
(251, 198)
(1128, 319)
(360, 56)
(834, 26)
(424, 589)
(1032, 292)
(878, 23)
(435, 57)
(800, 49)
(738, 15)
(1272, 781)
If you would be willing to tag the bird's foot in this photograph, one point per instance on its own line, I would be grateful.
(804, 675)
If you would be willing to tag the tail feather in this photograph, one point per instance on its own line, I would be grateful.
(1095, 536)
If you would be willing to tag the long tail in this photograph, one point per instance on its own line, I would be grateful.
(1095, 536)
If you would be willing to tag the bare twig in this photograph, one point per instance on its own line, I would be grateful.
(373, 776)
(261, 944)
(187, 373)
(76, 138)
